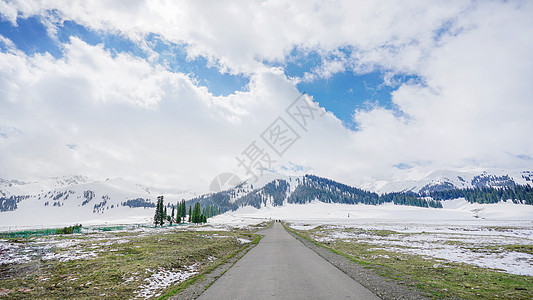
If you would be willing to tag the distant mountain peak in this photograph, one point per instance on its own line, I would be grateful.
(71, 180)
(446, 179)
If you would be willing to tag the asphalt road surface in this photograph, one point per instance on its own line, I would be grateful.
(281, 267)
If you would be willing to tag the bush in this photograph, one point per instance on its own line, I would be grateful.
(69, 230)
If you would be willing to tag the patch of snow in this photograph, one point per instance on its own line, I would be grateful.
(11, 253)
(509, 261)
(303, 226)
(162, 279)
(70, 255)
(67, 244)
(243, 241)
(117, 241)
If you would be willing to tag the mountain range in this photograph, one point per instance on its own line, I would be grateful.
(77, 199)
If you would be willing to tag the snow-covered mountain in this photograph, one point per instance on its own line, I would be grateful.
(445, 180)
(77, 199)
(300, 190)
(281, 190)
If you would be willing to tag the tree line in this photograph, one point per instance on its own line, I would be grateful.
(178, 213)
(520, 194)
(325, 190)
(314, 188)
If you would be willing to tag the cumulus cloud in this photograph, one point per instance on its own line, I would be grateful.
(240, 34)
(476, 99)
(105, 115)
(94, 113)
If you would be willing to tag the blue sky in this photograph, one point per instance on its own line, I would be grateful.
(30, 36)
(341, 93)
(346, 91)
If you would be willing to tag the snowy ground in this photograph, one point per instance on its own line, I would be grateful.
(83, 246)
(486, 235)
(488, 247)
(65, 216)
(454, 212)
(161, 279)
(65, 248)
(479, 234)
(103, 248)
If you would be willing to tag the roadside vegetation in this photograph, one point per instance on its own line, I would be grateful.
(125, 264)
(438, 278)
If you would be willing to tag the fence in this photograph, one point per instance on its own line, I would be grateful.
(39, 232)
(73, 229)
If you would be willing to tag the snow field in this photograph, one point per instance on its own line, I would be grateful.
(485, 235)
(162, 279)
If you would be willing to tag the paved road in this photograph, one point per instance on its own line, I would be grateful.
(281, 267)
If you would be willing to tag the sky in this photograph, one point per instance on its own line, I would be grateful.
(173, 93)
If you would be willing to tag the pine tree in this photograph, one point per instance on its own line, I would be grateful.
(172, 215)
(178, 212)
(190, 214)
(159, 217)
(195, 213)
(197, 216)
(162, 213)
(156, 215)
(158, 212)
(183, 209)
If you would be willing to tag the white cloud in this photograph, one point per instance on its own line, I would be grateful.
(9, 12)
(131, 117)
(127, 118)
(240, 34)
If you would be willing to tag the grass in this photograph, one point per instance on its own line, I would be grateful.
(437, 278)
(119, 269)
(523, 248)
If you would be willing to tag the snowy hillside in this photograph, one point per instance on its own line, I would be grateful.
(445, 179)
(432, 191)
(77, 199)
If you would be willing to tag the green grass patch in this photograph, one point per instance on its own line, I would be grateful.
(383, 232)
(482, 248)
(519, 248)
